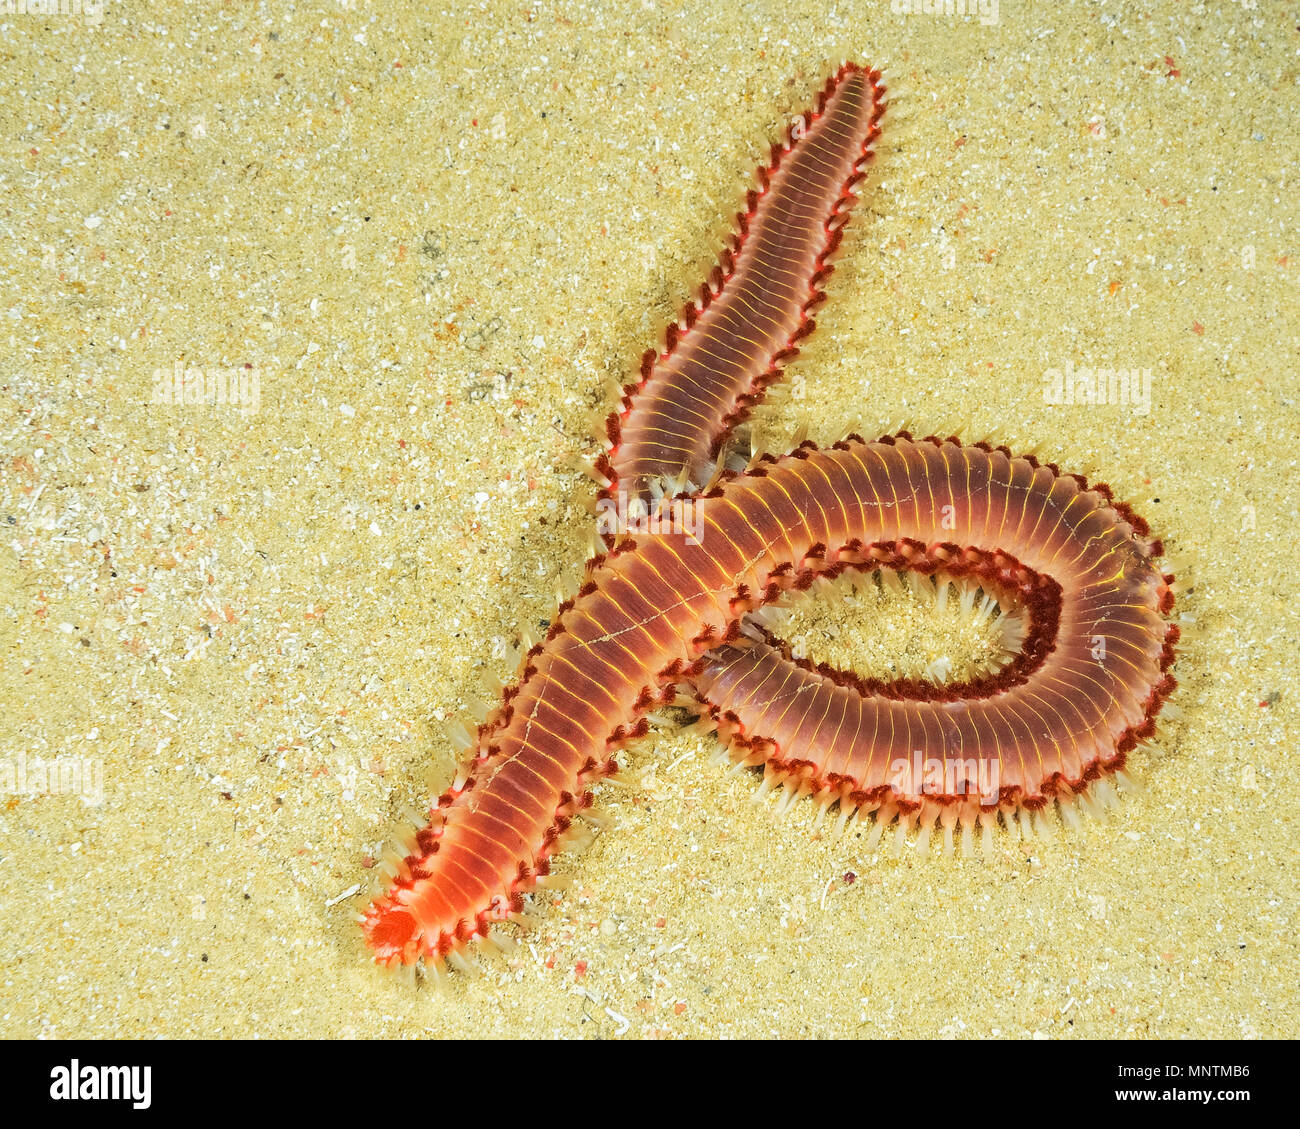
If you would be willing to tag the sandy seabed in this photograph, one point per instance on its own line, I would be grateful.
(406, 252)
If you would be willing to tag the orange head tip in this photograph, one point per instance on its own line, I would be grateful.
(391, 931)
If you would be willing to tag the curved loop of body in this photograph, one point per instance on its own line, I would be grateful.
(669, 608)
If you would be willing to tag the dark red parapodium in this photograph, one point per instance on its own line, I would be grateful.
(668, 607)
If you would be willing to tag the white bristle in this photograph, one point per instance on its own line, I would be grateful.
(1070, 815)
(460, 963)
(987, 819)
(877, 830)
(847, 811)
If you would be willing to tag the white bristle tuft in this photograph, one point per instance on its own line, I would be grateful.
(769, 781)
(504, 944)
(877, 830)
(1026, 826)
(786, 798)
(987, 819)
(1070, 816)
(847, 811)
(751, 630)
(459, 735)
(1125, 781)
(457, 960)
(599, 821)
(1092, 805)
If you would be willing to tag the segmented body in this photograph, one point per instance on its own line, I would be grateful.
(661, 611)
